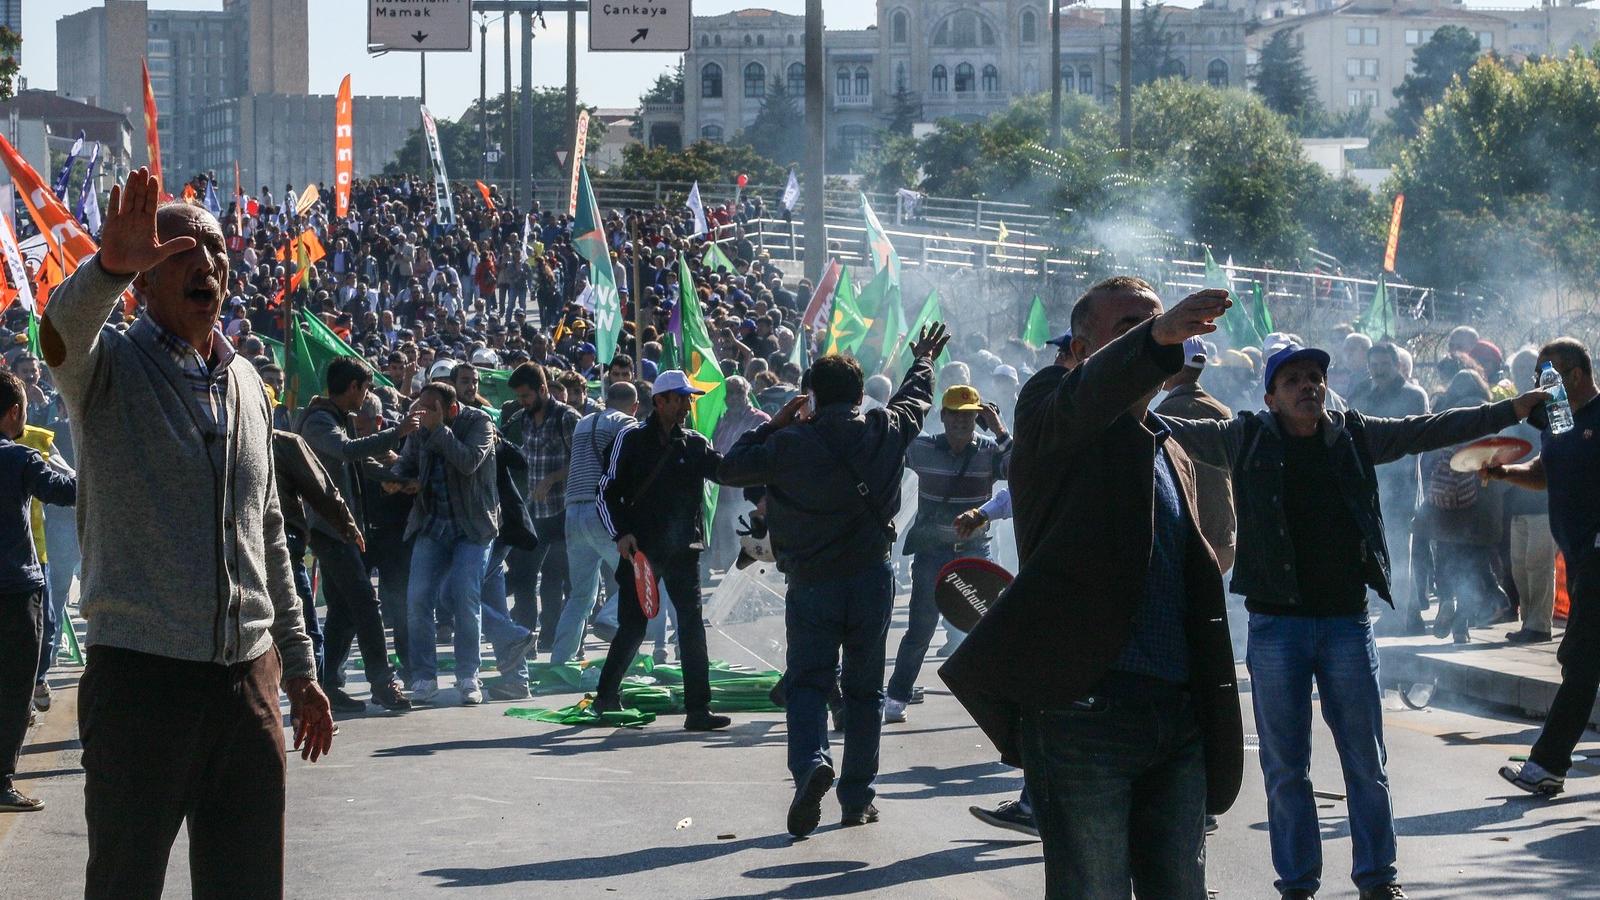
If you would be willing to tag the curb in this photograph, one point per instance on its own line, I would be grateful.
(1523, 678)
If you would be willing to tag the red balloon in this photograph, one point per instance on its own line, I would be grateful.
(744, 180)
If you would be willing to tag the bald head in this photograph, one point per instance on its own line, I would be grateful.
(185, 290)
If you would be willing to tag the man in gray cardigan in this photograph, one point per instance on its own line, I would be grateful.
(193, 617)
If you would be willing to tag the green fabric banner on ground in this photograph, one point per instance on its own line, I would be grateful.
(650, 690)
(1037, 329)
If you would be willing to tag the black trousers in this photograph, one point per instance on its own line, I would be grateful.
(681, 574)
(391, 556)
(353, 611)
(21, 618)
(1579, 656)
(168, 741)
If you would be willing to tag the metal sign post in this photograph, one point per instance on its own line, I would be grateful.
(639, 26)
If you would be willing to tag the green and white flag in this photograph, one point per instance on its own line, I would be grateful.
(701, 368)
(716, 260)
(589, 239)
(847, 328)
(930, 313)
(888, 327)
(1037, 329)
(878, 243)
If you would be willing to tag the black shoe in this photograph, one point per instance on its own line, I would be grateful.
(865, 816)
(1212, 825)
(1390, 891)
(1298, 894)
(1526, 636)
(704, 720)
(390, 696)
(603, 704)
(1010, 814)
(342, 702)
(12, 800)
(806, 809)
(1443, 621)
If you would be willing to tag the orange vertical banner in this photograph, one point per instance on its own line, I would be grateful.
(1394, 232)
(344, 150)
(152, 134)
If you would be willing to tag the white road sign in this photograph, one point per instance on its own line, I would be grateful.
(419, 25)
(639, 25)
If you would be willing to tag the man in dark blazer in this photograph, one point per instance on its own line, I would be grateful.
(1105, 670)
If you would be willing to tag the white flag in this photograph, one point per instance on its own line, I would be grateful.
(699, 210)
(527, 227)
(91, 211)
(15, 273)
(791, 192)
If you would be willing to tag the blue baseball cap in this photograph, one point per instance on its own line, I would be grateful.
(1295, 353)
(1063, 340)
(585, 348)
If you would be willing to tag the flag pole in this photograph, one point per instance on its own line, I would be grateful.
(638, 303)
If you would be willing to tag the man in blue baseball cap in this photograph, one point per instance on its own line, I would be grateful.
(1310, 544)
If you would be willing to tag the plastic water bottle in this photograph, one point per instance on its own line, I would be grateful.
(1557, 409)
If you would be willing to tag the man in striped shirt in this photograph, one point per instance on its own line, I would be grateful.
(956, 471)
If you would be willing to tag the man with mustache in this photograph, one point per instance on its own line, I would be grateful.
(1310, 544)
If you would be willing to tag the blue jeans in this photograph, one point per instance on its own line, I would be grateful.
(53, 611)
(302, 587)
(451, 575)
(850, 612)
(589, 546)
(498, 628)
(1285, 653)
(914, 643)
(1118, 790)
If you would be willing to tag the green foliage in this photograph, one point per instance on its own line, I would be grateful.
(702, 161)
(10, 44)
(905, 113)
(778, 132)
(1502, 183)
(667, 89)
(1283, 81)
(459, 138)
(1152, 46)
(1448, 55)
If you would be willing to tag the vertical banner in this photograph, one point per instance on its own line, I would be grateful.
(80, 210)
(589, 239)
(15, 272)
(580, 144)
(446, 214)
(64, 179)
(1394, 233)
(698, 208)
(791, 192)
(152, 134)
(344, 150)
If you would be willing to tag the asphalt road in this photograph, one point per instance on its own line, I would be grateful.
(451, 801)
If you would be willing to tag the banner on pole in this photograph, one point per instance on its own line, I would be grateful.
(152, 134)
(580, 144)
(441, 181)
(1394, 233)
(344, 150)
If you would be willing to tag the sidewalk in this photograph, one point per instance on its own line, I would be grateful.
(1519, 676)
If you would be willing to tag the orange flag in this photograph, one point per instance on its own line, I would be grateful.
(307, 250)
(344, 150)
(152, 135)
(188, 192)
(484, 190)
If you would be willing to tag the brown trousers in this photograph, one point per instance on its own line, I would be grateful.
(168, 741)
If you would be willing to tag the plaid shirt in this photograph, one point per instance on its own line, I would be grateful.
(207, 375)
(547, 446)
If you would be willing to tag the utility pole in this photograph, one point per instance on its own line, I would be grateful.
(816, 147)
(572, 77)
(508, 122)
(483, 97)
(427, 164)
(1055, 74)
(1126, 76)
(525, 123)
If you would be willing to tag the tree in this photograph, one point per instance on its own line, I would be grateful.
(702, 161)
(1283, 81)
(905, 113)
(461, 150)
(1152, 46)
(778, 132)
(1448, 55)
(10, 44)
(667, 89)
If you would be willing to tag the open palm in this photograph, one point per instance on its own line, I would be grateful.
(128, 241)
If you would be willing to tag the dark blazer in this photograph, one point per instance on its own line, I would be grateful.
(1082, 491)
(1215, 484)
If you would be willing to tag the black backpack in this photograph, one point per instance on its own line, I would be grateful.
(516, 525)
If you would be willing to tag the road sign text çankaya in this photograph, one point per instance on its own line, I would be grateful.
(649, 25)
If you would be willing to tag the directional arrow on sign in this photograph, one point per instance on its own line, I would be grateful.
(639, 36)
(420, 36)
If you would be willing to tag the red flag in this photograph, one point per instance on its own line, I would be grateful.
(821, 297)
(152, 134)
(1394, 232)
(344, 150)
(484, 190)
(188, 192)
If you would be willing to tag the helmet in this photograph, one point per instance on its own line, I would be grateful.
(441, 369)
(483, 356)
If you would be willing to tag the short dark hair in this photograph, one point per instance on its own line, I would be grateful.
(1385, 348)
(446, 392)
(837, 379)
(621, 359)
(456, 371)
(12, 393)
(528, 375)
(1570, 351)
(344, 371)
(1117, 285)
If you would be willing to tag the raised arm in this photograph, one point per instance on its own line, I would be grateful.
(1215, 442)
(468, 452)
(1389, 439)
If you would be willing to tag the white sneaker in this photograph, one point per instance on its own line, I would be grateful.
(893, 710)
(423, 690)
(1534, 779)
(41, 697)
(471, 691)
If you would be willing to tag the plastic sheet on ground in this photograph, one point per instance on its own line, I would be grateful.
(652, 690)
(744, 618)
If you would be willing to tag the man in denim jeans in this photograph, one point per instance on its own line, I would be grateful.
(1311, 542)
(833, 487)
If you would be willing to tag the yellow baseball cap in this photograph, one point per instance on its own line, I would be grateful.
(961, 398)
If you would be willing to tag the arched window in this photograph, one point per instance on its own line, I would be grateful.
(988, 35)
(761, 40)
(941, 79)
(1217, 73)
(966, 78)
(899, 27)
(965, 29)
(900, 78)
(991, 79)
(748, 40)
(755, 80)
(1030, 27)
(863, 82)
(855, 139)
(705, 40)
(1030, 78)
(791, 40)
(712, 133)
(1174, 68)
(716, 40)
(841, 82)
(1085, 80)
(711, 81)
(797, 79)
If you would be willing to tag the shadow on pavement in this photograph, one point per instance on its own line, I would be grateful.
(1560, 866)
(958, 781)
(592, 868)
(958, 860)
(577, 740)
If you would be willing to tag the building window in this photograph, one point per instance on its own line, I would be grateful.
(755, 80)
(1367, 37)
(900, 77)
(705, 40)
(716, 40)
(1030, 27)
(1352, 99)
(991, 79)
(1085, 80)
(899, 27)
(711, 81)
(1217, 73)
(855, 139)
(791, 40)
(965, 28)
(748, 40)
(941, 79)
(1174, 68)
(1369, 69)
(1413, 37)
(761, 40)
(965, 78)
(797, 79)
(863, 82)
(841, 82)
(1369, 98)
(712, 133)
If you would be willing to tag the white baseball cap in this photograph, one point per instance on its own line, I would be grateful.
(673, 381)
(1194, 353)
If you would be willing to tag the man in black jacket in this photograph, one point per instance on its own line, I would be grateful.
(650, 502)
(833, 488)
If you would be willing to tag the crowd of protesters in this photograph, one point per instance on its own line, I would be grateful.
(518, 519)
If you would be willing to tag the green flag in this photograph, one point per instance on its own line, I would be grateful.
(495, 386)
(1037, 329)
(878, 243)
(33, 334)
(888, 328)
(301, 379)
(869, 300)
(929, 314)
(326, 345)
(846, 327)
(1240, 327)
(701, 367)
(1378, 321)
(589, 239)
(274, 347)
(1260, 315)
(716, 260)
